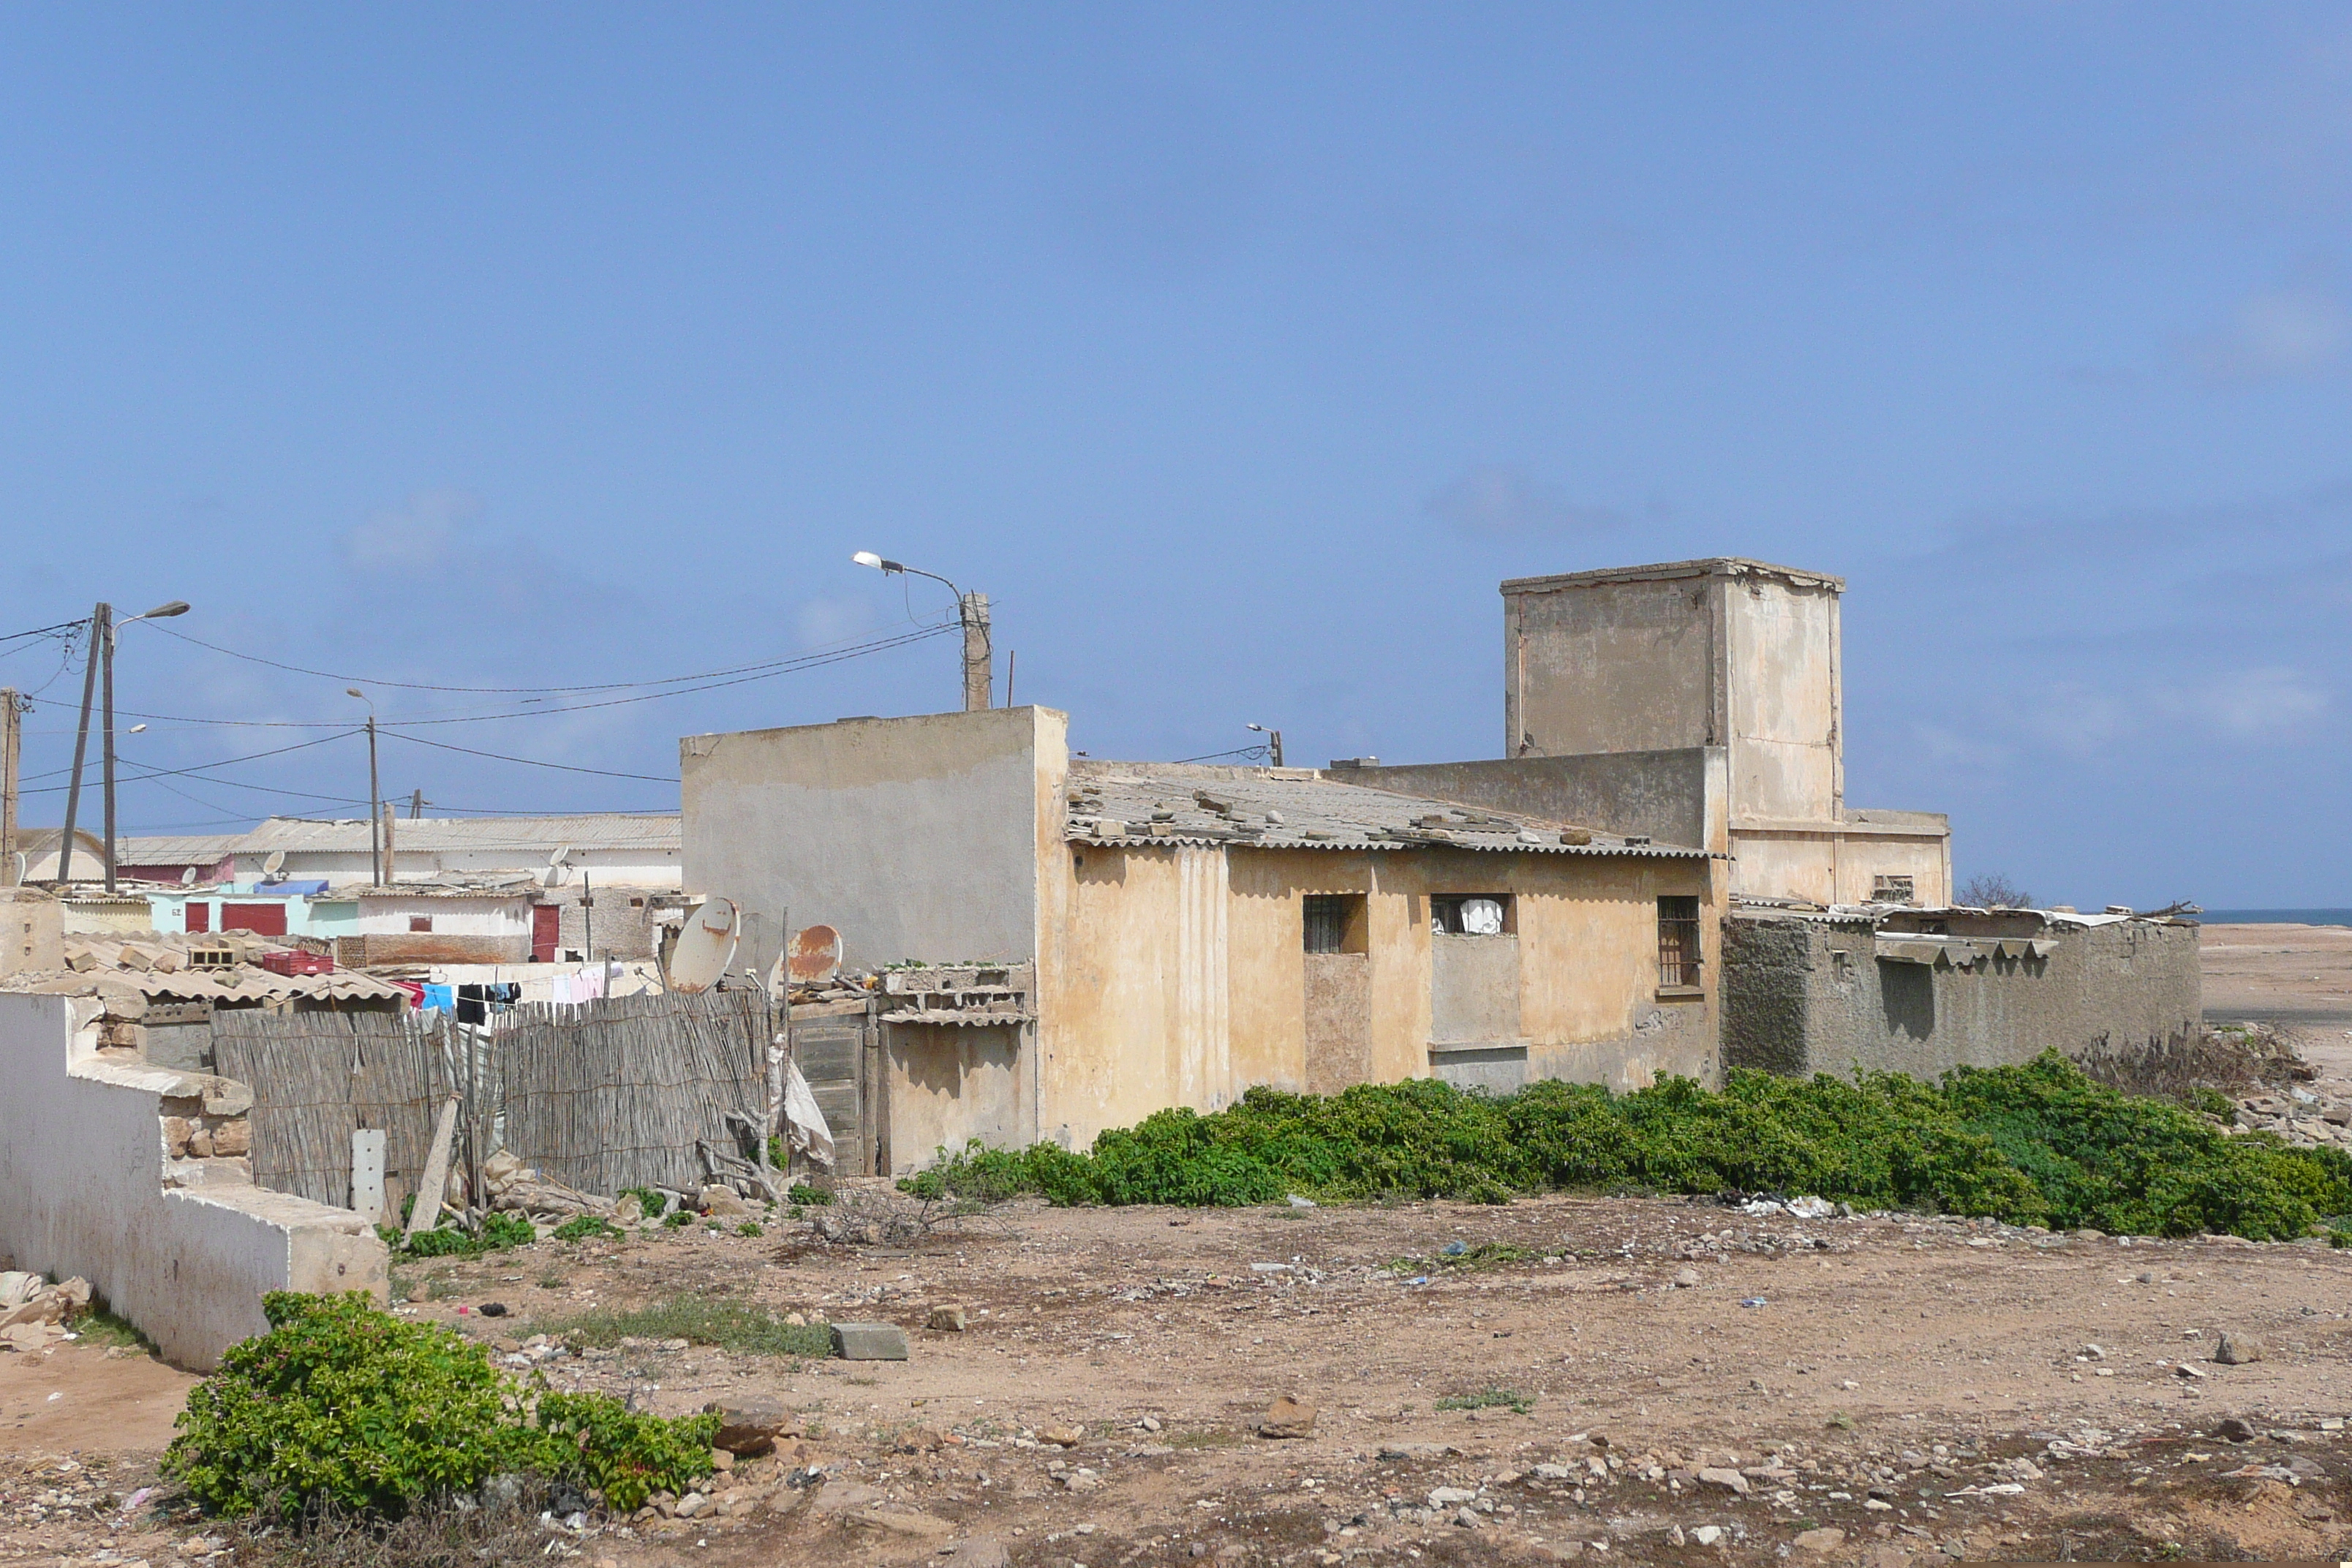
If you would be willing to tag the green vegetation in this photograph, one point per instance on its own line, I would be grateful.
(679, 1219)
(102, 1329)
(803, 1193)
(649, 1202)
(498, 1233)
(341, 1405)
(2039, 1145)
(1485, 1254)
(1489, 1399)
(748, 1227)
(584, 1227)
(698, 1319)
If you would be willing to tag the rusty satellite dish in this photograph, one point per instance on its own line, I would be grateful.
(705, 947)
(814, 955)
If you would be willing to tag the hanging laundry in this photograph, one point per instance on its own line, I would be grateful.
(442, 997)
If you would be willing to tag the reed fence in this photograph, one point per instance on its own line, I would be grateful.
(318, 1076)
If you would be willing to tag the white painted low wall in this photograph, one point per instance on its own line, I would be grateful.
(82, 1168)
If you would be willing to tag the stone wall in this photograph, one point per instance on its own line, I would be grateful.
(1935, 990)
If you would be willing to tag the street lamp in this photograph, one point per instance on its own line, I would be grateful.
(979, 653)
(103, 627)
(375, 808)
(1273, 744)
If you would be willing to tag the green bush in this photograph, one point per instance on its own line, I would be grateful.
(2037, 1143)
(344, 1405)
(584, 1227)
(802, 1193)
(649, 1201)
(498, 1233)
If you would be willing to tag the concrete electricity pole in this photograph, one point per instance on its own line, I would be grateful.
(100, 621)
(12, 729)
(376, 796)
(979, 648)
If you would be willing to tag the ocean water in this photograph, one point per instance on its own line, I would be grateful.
(2277, 917)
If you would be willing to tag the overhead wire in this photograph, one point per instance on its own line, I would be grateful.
(527, 761)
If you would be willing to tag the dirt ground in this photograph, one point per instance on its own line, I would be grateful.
(2295, 976)
(1872, 1389)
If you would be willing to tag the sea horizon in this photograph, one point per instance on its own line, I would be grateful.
(2277, 917)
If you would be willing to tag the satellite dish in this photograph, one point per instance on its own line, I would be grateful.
(275, 863)
(22, 868)
(555, 877)
(705, 947)
(556, 857)
(187, 876)
(815, 955)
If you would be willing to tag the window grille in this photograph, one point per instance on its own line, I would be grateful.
(1328, 916)
(1678, 953)
(1892, 891)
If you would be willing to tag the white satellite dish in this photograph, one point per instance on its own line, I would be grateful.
(274, 863)
(22, 868)
(705, 947)
(187, 876)
(561, 853)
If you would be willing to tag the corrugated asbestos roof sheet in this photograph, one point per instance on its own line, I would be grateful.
(534, 835)
(1300, 808)
(178, 849)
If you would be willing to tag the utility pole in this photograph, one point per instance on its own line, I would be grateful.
(416, 805)
(979, 657)
(376, 792)
(376, 809)
(391, 854)
(100, 621)
(11, 728)
(105, 683)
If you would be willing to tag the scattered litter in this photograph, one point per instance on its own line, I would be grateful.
(1755, 1302)
(1299, 1203)
(1812, 1208)
(1999, 1488)
(1454, 1249)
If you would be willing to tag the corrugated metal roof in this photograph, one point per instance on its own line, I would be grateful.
(534, 835)
(1299, 808)
(178, 849)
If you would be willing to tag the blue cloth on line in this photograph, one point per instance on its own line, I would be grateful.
(443, 996)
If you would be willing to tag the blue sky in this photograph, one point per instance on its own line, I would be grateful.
(1237, 352)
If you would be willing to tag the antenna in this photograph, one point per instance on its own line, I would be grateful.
(187, 876)
(705, 947)
(273, 864)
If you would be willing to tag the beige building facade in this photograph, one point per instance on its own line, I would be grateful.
(1730, 673)
(1168, 935)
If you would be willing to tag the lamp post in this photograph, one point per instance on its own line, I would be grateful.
(375, 805)
(102, 628)
(1273, 744)
(979, 653)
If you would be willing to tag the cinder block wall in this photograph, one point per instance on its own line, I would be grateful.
(1805, 996)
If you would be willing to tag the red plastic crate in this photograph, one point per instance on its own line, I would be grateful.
(297, 963)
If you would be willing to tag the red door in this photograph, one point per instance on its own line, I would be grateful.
(200, 916)
(261, 920)
(546, 931)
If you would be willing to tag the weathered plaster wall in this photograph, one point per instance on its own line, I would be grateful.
(1610, 666)
(914, 837)
(1806, 996)
(1674, 797)
(1780, 641)
(1830, 865)
(1178, 976)
(82, 1171)
(949, 1085)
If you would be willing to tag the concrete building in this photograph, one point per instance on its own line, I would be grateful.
(1112, 939)
(1922, 991)
(1701, 702)
(616, 885)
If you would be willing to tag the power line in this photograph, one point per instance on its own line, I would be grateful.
(528, 761)
(495, 690)
(768, 672)
(197, 768)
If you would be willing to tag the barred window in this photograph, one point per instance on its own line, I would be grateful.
(1884, 890)
(1678, 954)
(1470, 914)
(1334, 923)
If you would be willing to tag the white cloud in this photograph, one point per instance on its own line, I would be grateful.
(417, 533)
(2301, 329)
(2274, 703)
(2079, 719)
(821, 621)
(1497, 499)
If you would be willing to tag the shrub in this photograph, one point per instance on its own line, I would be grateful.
(343, 1405)
(2036, 1143)
(584, 1227)
(802, 1193)
(498, 1233)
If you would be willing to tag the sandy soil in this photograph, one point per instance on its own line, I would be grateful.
(1870, 1343)
(2300, 976)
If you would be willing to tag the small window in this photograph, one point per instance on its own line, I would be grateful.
(1892, 891)
(1678, 956)
(1334, 922)
(420, 923)
(1471, 914)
